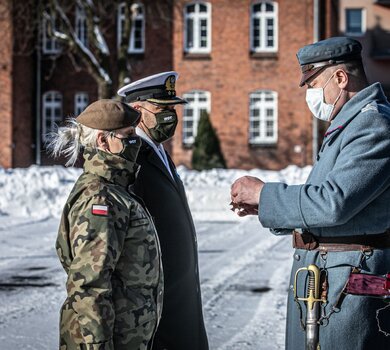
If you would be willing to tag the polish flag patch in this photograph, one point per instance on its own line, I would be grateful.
(98, 209)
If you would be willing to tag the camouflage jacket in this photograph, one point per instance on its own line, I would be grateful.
(108, 246)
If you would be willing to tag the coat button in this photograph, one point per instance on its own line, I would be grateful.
(297, 257)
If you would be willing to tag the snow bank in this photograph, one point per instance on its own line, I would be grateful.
(208, 191)
(35, 192)
(39, 192)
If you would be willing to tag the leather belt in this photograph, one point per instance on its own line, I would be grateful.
(364, 243)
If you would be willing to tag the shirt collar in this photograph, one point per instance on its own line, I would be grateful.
(146, 137)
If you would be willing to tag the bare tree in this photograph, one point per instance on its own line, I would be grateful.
(105, 54)
(96, 56)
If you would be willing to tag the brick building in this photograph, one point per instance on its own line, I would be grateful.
(246, 76)
(236, 59)
(369, 22)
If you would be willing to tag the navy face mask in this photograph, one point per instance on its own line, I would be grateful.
(165, 127)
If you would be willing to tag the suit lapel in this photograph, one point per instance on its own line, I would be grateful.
(178, 181)
(181, 190)
(154, 159)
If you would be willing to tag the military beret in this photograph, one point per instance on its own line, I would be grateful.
(315, 57)
(108, 115)
(158, 88)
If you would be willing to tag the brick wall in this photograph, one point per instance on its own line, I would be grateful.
(231, 73)
(6, 85)
(60, 75)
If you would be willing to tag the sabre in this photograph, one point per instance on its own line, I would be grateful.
(312, 301)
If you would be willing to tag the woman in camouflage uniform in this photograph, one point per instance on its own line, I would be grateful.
(107, 241)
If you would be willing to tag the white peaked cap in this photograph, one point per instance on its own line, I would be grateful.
(158, 88)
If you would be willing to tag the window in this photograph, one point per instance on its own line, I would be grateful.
(137, 34)
(355, 22)
(263, 117)
(52, 111)
(80, 102)
(264, 27)
(197, 28)
(198, 101)
(50, 45)
(81, 25)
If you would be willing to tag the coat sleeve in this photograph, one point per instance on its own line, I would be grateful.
(360, 174)
(96, 245)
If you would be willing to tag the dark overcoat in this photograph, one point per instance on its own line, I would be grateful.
(346, 194)
(181, 326)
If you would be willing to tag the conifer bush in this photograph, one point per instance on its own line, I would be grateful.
(206, 150)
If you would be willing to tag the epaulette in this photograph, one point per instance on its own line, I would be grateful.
(369, 107)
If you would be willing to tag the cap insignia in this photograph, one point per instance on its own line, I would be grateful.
(170, 85)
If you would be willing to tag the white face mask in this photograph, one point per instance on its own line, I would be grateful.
(316, 102)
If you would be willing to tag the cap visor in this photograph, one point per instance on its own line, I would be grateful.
(172, 101)
(308, 75)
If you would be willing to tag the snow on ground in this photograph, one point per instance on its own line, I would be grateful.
(244, 269)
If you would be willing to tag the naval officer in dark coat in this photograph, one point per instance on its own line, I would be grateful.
(158, 184)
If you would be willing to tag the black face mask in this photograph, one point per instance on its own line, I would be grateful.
(165, 127)
(131, 146)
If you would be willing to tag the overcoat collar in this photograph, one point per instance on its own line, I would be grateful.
(111, 167)
(353, 107)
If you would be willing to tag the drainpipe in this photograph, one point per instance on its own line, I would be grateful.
(316, 37)
(38, 88)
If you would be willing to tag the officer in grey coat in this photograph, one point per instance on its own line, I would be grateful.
(342, 212)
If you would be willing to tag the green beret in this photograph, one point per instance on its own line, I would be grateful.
(108, 115)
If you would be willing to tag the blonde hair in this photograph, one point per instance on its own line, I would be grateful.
(70, 139)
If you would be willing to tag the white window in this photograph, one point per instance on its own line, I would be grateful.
(51, 111)
(197, 28)
(198, 102)
(50, 45)
(264, 27)
(137, 34)
(81, 25)
(355, 23)
(80, 102)
(263, 117)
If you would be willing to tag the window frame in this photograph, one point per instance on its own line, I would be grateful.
(196, 106)
(77, 104)
(363, 23)
(52, 104)
(262, 107)
(80, 25)
(263, 17)
(46, 39)
(197, 17)
(120, 19)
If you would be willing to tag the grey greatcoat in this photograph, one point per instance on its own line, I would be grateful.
(346, 194)
(181, 326)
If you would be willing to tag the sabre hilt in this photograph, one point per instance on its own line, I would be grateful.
(312, 300)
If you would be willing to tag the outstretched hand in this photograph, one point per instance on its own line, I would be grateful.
(245, 195)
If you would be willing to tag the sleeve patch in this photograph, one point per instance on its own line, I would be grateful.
(98, 209)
